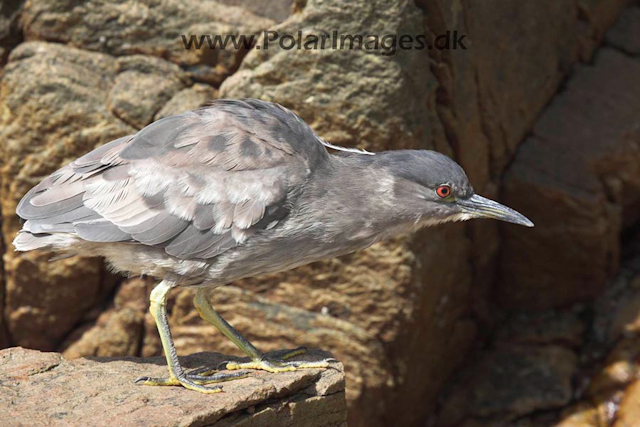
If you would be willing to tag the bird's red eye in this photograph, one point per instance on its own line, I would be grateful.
(443, 191)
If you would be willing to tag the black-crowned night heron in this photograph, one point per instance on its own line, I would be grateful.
(237, 189)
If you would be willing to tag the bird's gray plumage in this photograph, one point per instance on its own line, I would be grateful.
(234, 190)
(196, 184)
(239, 188)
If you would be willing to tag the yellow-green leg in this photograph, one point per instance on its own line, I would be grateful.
(177, 376)
(258, 359)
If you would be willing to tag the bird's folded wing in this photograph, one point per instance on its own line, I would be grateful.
(195, 184)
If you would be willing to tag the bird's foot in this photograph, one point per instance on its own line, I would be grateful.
(195, 380)
(278, 362)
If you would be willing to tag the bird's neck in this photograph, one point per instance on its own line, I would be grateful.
(354, 199)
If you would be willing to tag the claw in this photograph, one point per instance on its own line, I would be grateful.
(141, 380)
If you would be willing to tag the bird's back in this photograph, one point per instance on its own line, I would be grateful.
(187, 187)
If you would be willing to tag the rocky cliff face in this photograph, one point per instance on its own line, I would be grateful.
(540, 115)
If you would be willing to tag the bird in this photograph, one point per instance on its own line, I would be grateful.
(236, 189)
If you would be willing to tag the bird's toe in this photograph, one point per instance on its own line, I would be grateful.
(195, 382)
(281, 364)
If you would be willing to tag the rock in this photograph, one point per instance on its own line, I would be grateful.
(278, 10)
(457, 105)
(9, 27)
(629, 412)
(577, 178)
(489, 96)
(150, 27)
(388, 314)
(81, 98)
(118, 331)
(101, 392)
(402, 314)
(52, 108)
(621, 367)
(188, 99)
(625, 35)
(511, 381)
(314, 81)
(549, 327)
(491, 93)
(143, 86)
(4, 335)
(581, 415)
(626, 317)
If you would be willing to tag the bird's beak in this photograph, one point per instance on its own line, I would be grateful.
(481, 207)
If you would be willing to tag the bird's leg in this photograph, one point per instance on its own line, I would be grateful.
(258, 359)
(177, 376)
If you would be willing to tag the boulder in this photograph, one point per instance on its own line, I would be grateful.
(84, 99)
(489, 96)
(625, 35)
(508, 382)
(187, 99)
(9, 27)
(52, 108)
(629, 412)
(578, 179)
(149, 27)
(118, 330)
(101, 392)
(142, 87)
(277, 10)
(536, 363)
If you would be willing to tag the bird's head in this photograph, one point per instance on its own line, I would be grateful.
(437, 189)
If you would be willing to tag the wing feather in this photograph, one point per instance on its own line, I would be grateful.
(100, 231)
(196, 184)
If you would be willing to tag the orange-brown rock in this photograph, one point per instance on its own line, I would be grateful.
(578, 177)
(46, 389)
(629, 413)
(119, 330)
(401, 315)
(149, 27)
(187, 99)
(44, 300)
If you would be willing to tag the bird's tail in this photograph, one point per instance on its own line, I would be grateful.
(26, 241)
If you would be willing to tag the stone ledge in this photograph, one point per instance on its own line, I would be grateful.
(39, 389)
